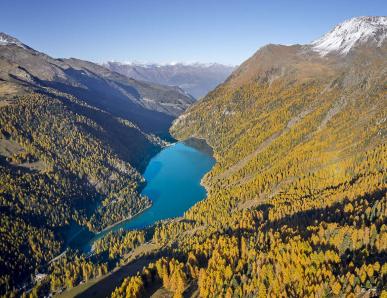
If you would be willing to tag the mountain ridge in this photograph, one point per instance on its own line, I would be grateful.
(151, 106)
(6, 39)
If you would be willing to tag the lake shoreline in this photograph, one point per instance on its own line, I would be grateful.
(201, 150)
(124, 219)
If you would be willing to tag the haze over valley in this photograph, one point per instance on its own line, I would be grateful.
(197, 79)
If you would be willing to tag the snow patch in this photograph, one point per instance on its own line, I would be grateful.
(353, 32)
(6, 39)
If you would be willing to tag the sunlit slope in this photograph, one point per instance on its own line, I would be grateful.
(297, 202)
(300, 115)
(301, 175)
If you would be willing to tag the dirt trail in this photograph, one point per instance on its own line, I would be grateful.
(335, 109)
(103, 286)
(265, 196)
(266, 143)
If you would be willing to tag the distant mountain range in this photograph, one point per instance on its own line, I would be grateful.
(196, 79)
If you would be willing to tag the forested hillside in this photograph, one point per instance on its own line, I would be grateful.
(74, 139)
(297, 202)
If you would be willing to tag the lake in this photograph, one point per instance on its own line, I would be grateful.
(172, 183)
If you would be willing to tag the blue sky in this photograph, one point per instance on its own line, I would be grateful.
(163, 31)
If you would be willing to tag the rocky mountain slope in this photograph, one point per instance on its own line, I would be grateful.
(196, 79)
(151, 106)
(297, 202)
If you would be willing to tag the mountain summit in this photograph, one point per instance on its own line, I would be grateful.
(6, 39)
(351, 33)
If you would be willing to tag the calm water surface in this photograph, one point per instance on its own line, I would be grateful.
(173, 184)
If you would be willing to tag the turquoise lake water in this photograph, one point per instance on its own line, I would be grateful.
(173, 184)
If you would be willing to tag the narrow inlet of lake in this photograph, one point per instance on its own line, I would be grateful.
(172, 183)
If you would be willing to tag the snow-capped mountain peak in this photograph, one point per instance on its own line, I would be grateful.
(6, 39)
(353, 32)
